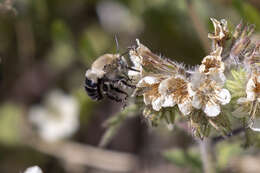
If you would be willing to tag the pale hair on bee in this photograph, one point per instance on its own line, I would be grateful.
(107, 77)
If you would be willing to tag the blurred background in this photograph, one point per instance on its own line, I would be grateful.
(46, 118)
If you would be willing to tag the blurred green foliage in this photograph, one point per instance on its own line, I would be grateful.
(10, 124)
(183, 158)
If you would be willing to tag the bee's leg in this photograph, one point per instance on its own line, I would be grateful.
(123, 81)
(118, 90)
(130, 68)
(113, 97)
(107, 87)
(127, 84)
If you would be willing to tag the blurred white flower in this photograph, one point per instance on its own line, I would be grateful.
(114, 17)
(33, 169)
(58, 118)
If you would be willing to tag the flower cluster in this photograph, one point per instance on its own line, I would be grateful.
(203, 94)
(165, 84)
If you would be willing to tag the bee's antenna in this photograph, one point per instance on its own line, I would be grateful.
(117, 45)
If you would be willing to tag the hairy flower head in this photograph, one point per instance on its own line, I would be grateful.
(146, 62)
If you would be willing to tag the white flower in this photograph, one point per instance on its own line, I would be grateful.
(252, 100)
(58, 118)
(33, 169)
(175, 91)
(253, 88)
(151, 94)
(165, 91)
(208, 96)
(213, 63)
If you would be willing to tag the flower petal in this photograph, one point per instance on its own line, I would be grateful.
(147, 99)
(168, 101)
(196, 102)
(164, 86)
(148, 80)
(250, 90)
(185, 107)
(242, 100)
(212, 110)
(157, 103)
(250, 96)
(224, 96)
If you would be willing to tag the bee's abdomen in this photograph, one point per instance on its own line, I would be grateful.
(93, 90)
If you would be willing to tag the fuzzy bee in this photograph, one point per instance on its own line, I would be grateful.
(106, 78)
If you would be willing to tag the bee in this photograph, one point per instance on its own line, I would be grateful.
(106, 78)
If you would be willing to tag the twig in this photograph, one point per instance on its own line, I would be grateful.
(237, 131)
(85, 155)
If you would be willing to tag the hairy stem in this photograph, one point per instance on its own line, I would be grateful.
(207, 155)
